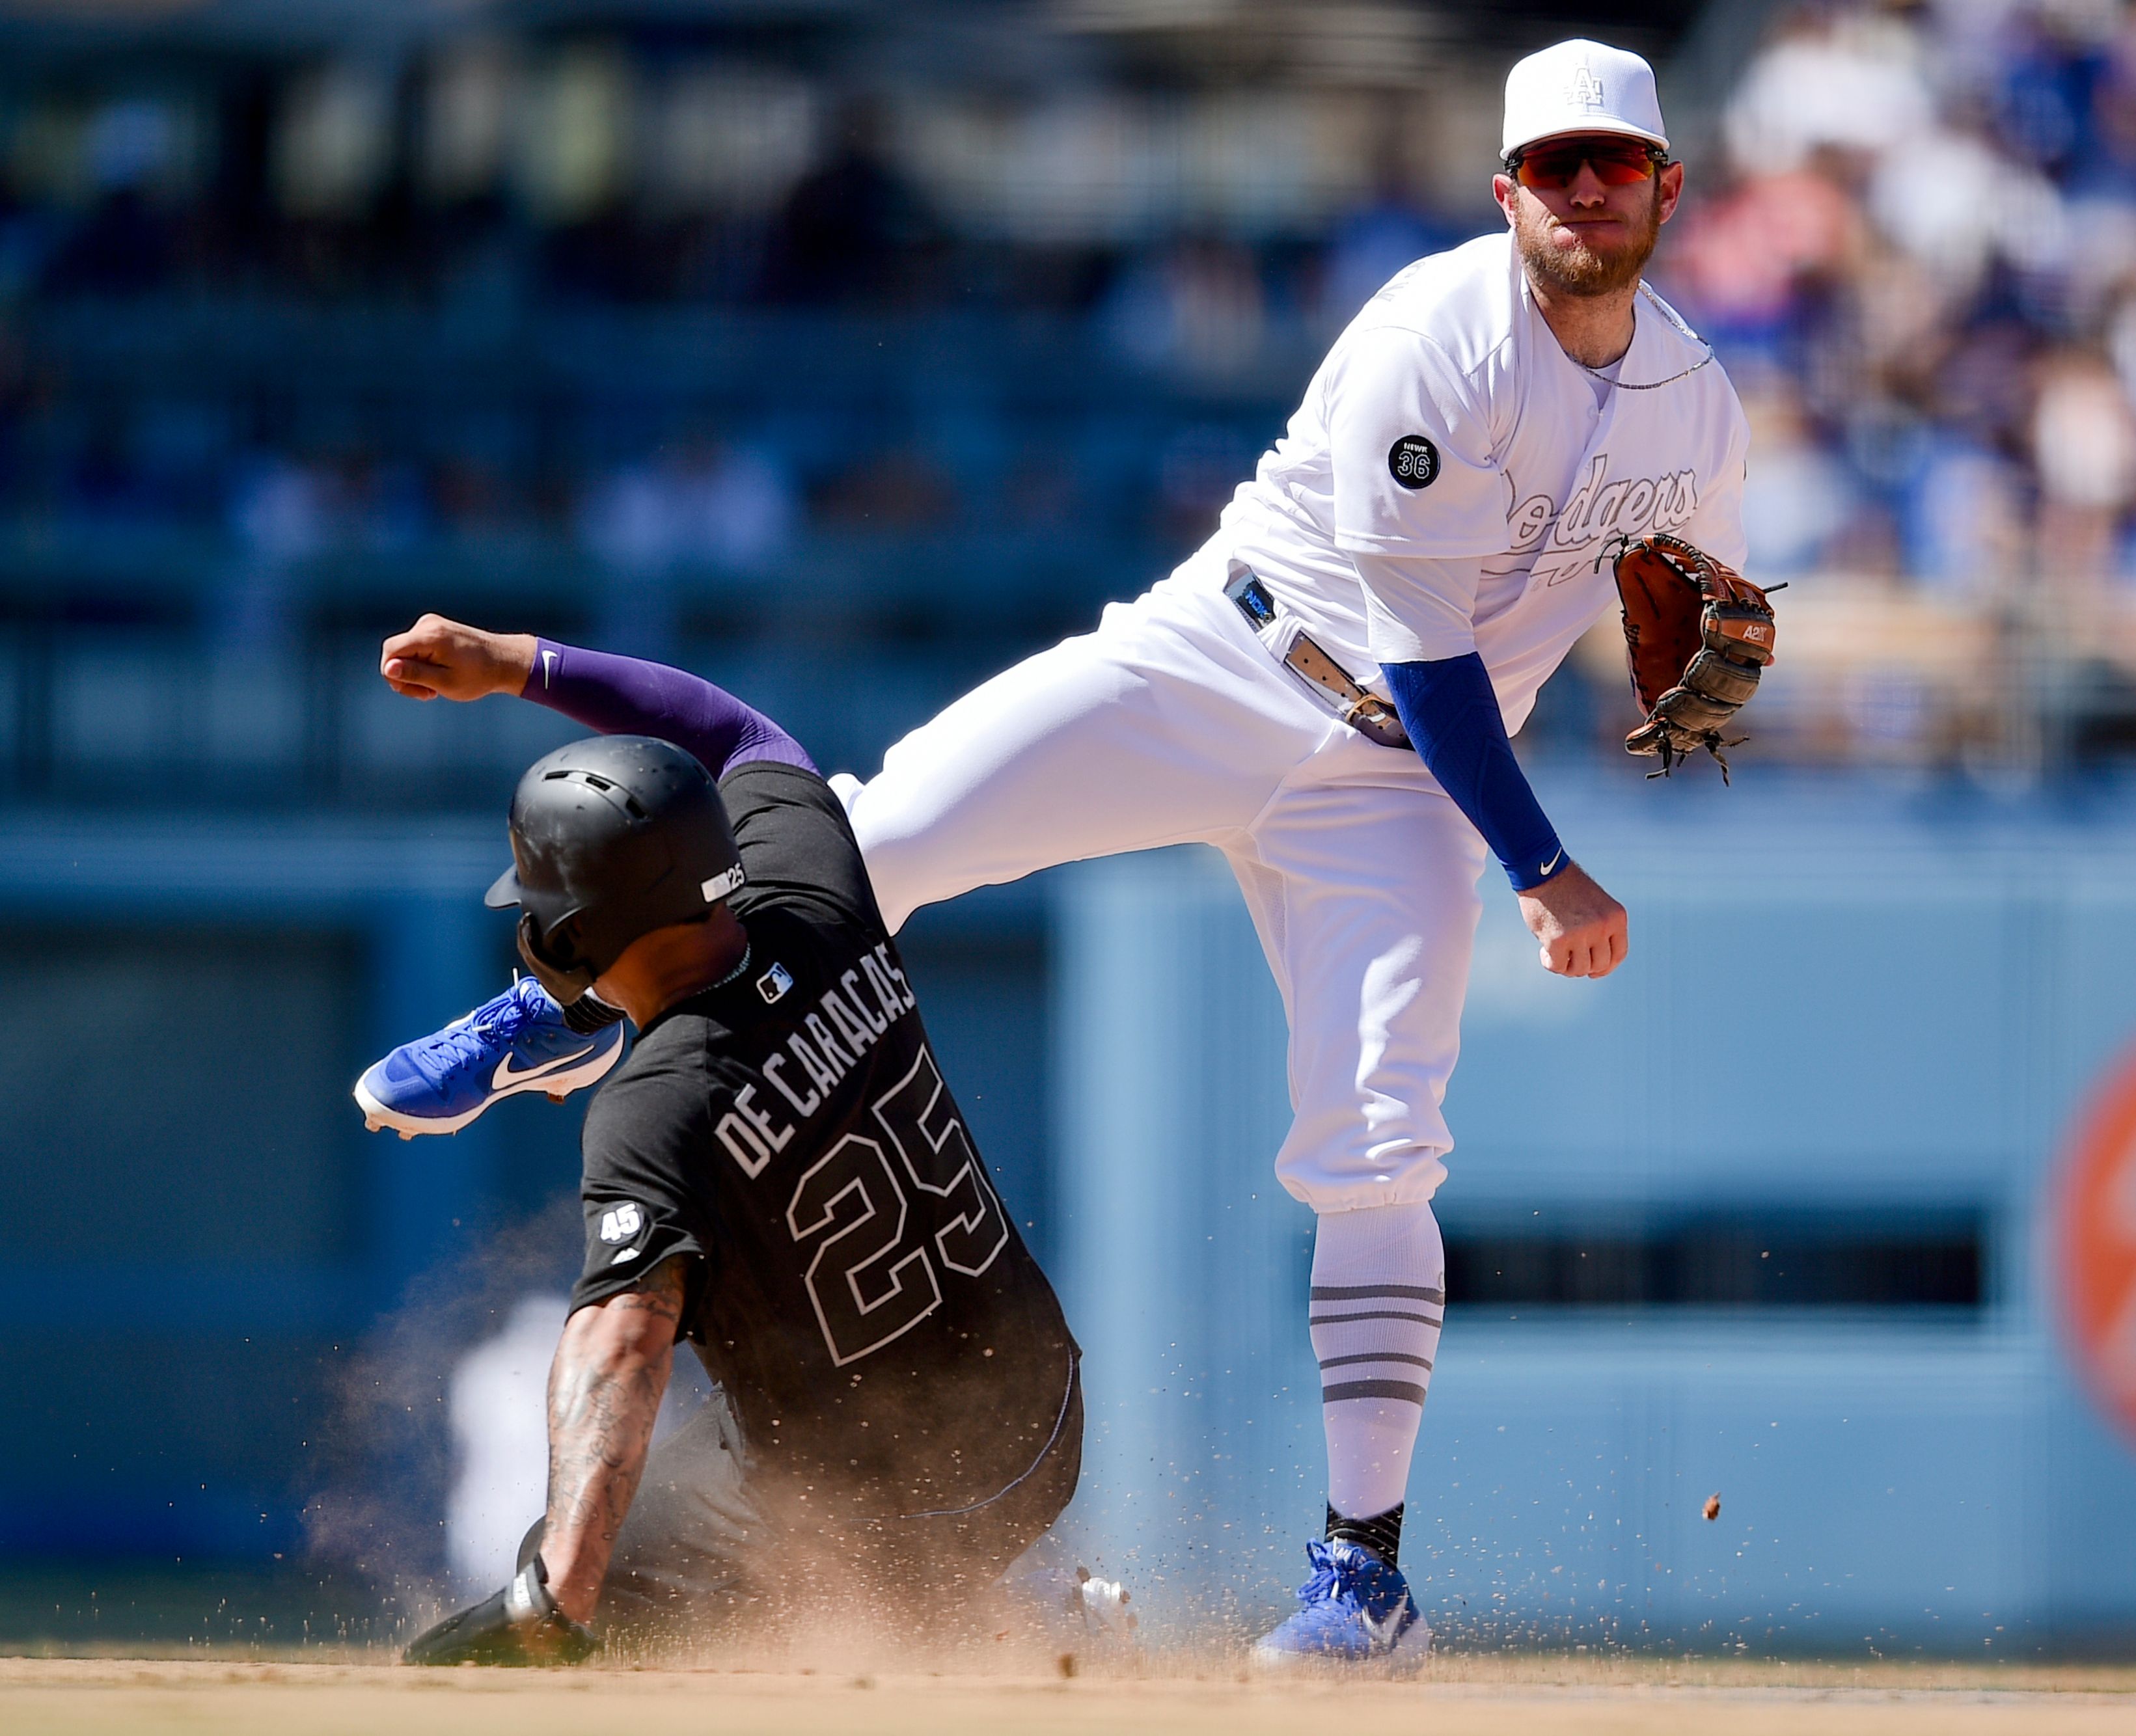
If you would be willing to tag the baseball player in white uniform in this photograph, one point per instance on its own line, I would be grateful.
(1324, 693)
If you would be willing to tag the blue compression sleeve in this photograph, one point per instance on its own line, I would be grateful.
(620, 696)
(1452, 718)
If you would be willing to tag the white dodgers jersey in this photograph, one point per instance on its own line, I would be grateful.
(1452, 479)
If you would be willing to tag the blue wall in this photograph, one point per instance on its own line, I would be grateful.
(207, 1233)
(1843, 998)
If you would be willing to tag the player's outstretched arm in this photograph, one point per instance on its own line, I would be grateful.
(613, 696)
(605, 1390)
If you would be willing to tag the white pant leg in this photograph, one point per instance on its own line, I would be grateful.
(1170, 724)
(1361, 877)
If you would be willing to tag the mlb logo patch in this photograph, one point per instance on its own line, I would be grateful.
(773, 983)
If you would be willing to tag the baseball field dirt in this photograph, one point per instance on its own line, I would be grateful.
(1478, 1695)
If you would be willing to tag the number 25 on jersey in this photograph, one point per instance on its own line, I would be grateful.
(873, 1276)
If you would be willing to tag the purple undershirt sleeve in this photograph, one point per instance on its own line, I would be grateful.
(620, 696)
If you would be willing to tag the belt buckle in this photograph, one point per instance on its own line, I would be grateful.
(1377, 720)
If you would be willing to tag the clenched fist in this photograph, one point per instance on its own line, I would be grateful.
(1584, 931)
(437, 658)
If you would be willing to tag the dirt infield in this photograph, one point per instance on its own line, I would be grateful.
(1460, 1696)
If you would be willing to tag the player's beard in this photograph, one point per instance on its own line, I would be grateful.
(1580, 270)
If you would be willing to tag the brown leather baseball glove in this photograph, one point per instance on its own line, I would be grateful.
(1699, 633)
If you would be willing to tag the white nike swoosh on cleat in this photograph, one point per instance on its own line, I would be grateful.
(1384, 1634)
(506, 1077)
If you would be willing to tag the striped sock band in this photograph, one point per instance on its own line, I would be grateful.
(1378, 1298)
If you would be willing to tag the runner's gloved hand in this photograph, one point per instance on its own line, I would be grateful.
(520, 1625)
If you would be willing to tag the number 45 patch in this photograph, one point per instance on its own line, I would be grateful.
(625, 1224)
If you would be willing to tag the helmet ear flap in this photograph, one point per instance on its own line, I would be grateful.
(565, 983)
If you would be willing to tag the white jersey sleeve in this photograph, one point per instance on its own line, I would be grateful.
(1418, 499)
(1419, 611)
(1411, 447)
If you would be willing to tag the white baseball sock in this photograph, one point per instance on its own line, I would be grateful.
(1379, 1294)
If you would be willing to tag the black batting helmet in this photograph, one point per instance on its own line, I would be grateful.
(612, 838)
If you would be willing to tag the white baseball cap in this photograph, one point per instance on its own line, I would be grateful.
(1581, 86)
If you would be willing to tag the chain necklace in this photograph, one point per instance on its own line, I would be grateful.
(741, 965)
(1668, 314)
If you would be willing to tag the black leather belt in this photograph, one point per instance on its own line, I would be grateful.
(1366, 713)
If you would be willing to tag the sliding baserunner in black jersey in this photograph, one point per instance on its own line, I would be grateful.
(778, 1174)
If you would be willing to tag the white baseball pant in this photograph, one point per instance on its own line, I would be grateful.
(1175, 722)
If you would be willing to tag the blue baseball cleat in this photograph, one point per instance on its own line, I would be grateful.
(1355, 1609)
(518, 1042)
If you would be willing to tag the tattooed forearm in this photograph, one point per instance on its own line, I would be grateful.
(605, 1391)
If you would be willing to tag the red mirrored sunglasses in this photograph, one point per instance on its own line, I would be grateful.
(1616, 162)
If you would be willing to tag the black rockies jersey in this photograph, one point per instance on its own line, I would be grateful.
(854, 1283)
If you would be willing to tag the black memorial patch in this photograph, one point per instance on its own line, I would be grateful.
(1413, 461)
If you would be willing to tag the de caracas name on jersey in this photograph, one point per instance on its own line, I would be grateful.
(849, 1018)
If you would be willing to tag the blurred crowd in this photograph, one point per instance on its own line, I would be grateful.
(1911, 236)
(1180, 254)
(1921, 267)
(486, 177)
(1922, 270)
